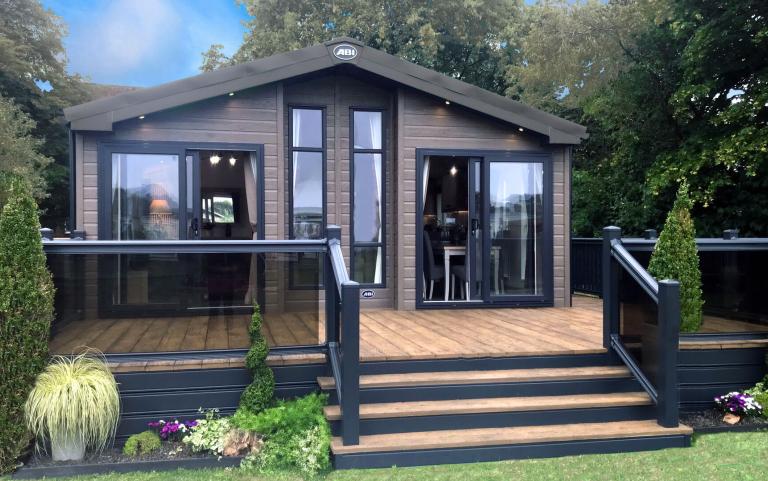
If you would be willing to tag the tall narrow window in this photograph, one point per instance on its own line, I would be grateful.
(367, 261)
(307, 155)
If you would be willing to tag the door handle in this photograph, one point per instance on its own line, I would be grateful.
(475, 226)
(195, 228)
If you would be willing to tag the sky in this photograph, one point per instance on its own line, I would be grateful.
(145, 42)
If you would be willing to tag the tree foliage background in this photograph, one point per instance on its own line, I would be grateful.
(670, 90)
(33, 74)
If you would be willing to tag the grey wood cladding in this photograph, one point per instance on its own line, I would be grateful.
(412, 120)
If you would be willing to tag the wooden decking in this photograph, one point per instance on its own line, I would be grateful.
(193, 333)
(385, 335)
(472, 333)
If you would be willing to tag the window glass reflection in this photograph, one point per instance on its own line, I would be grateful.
(145, 196)
(367, 130)
(307, 128)
(307, 191)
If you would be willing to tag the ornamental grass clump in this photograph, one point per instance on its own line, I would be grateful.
(258, 395)
(26, 311)
(676, 257)
(74, 405)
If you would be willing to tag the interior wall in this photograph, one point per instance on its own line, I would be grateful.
(224, 178)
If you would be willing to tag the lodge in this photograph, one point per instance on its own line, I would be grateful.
(389, 221)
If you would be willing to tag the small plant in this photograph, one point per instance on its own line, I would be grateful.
(760, 393)
(174, 430)
(258, 395)
(74, 405)
(141, 444)
(739, 404)
(26, 311)
(208, 434)
(676, 257)
(296, 435)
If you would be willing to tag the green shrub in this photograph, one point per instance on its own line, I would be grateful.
(74, 401)
(676, 257)
(26, 310)
(760, 393)
(209, 434)
(142, 444)
(258, 395)
(296, 435)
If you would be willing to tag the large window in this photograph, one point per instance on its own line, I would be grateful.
(307, 153)
(368, 241)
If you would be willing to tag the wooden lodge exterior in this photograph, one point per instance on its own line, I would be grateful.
(407, 238)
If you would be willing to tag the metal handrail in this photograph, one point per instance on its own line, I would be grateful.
(342, 308)
(182, 246)
(634, 269)
(337, 263)
(666, 295)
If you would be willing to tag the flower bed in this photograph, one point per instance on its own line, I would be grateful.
(290, 435)
(711, 420)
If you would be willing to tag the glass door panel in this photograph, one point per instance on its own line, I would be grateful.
(145, 196)
(475, 231)
(515, 228)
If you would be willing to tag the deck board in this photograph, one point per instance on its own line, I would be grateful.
(385, 335)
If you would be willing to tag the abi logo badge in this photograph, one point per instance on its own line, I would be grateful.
(345, 51)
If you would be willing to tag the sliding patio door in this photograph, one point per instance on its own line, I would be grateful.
(508, 254)
(517, 229)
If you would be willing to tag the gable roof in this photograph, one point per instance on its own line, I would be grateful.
(101, 114)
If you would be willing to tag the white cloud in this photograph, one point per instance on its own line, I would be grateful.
(126, 35)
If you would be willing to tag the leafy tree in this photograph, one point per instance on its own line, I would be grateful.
(20, 156)
(721, 106)
(571, 49)
(676, 257)
(33, 74)
(471, 41)
(26, 311)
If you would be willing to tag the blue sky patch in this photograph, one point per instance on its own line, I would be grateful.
(146, 42)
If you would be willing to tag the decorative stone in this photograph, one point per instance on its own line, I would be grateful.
(240, 442)
(731, 418)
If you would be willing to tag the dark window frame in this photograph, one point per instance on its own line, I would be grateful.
(106, 148)
(383, 151)
(323, 150)
(546, 299)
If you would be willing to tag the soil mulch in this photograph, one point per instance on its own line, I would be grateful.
(712, 420)
(167, 451)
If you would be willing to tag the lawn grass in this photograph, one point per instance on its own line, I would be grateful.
(742, 456)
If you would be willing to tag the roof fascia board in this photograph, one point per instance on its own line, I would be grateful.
(473, 93)
(248, 70)
(104, 121)
(555, 136)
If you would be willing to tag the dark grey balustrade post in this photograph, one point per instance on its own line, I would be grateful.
(331, 289)
(610, 287)
(350, 361)
(668, 343)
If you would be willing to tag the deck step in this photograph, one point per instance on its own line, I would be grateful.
(474, 438)
(415, 379)
(493, 405)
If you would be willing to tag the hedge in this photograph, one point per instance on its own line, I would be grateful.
(26, 311)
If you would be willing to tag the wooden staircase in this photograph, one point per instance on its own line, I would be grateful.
(415, 416)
